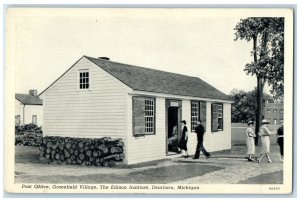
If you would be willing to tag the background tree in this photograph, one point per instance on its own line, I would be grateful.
(244, 106)
(267, 35)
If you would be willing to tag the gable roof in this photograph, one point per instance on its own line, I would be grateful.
(150, 80)
(28, 99)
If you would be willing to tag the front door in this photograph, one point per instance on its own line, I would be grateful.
(173, 129)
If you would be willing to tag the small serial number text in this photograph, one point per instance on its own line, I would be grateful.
(274, 188)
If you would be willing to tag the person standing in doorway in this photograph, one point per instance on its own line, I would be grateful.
(200, 130)
(265, 140)
(280, 140)
(250, 140)
(184, 138)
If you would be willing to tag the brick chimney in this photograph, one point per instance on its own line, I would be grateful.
(103, 58)
(33, 92)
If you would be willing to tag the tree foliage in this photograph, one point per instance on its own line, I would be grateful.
(244, 106)
(268, 49)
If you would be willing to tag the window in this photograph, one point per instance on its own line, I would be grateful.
(17, 120)
(84, 79)
(34, 119)
(269, 111)
(198, 112)
(281, 111)
(216, 117)
(275, 121)
(275, 111)
(281, 121)
(143, 116)
(149, 116)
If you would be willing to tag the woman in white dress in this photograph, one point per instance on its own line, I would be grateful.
(250, 141)
(265, 140)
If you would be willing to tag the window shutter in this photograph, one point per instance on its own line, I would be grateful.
(203, 113)
(214, 117)
(138, 115)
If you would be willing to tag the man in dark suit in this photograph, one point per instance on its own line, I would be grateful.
(200, 130)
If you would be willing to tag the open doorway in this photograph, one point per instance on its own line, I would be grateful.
(173, 130)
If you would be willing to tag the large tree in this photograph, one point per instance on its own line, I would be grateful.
(267, 35)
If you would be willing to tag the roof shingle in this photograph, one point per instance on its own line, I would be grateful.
(150, 80)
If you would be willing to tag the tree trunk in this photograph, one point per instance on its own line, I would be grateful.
(259, 100)
(260, 84)
(258, 92)
(255, 47)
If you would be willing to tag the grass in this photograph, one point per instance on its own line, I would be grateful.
(27, 154)
(238, 135)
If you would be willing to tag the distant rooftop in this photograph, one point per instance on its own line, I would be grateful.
(28, 99)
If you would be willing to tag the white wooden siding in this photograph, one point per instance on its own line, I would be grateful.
(212, 141)
(221, 140)
(106, 110)
(98, 111)
(148, 147)
(192, 137)
(29, 111)
(153, 147)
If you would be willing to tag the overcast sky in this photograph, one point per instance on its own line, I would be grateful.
(191, 43)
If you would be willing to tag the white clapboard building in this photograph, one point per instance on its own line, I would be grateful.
(97, 97)
(28, 108)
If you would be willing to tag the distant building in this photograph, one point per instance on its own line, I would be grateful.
(28, 108)
(274, 111)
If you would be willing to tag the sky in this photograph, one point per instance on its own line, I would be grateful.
(46, 43)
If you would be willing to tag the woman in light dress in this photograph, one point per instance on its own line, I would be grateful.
(265, 133)
(250, 141)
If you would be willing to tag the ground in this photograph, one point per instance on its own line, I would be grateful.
(228, 167)
(225, 167)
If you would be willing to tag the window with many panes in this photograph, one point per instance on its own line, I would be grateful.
(143, 115)
(84, 79)
(198, 112)
(149, 116)
(216, 117)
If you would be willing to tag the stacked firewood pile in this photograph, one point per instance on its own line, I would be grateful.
(82, 151)
(28, 135)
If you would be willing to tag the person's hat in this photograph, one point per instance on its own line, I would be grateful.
(250, 122)
(183, 121)
(264, 121)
